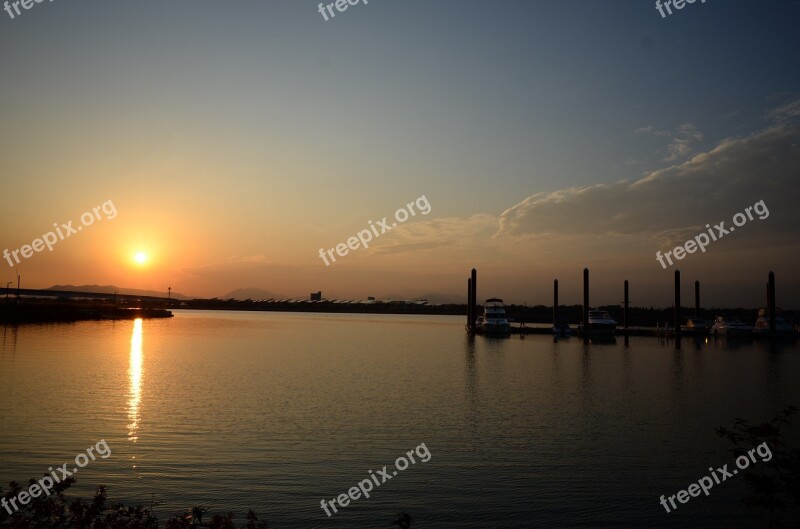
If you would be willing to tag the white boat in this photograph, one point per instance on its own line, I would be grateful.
(494, 319)
(782, 328)
(733, 327)
(601, 323)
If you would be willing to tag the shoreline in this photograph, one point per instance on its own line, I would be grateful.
(69, 313)
(525, 319)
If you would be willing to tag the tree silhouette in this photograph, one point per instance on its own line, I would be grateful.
(775, 484)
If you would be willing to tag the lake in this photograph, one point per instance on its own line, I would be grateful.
(277, 411)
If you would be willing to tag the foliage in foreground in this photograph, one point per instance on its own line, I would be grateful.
(774, 484)
(59, 512)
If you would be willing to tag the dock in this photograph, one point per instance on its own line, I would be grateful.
(582, 329)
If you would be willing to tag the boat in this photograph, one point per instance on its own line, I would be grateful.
(601, 323)
(561, 328)
(782, 328)
(695, 327)
(733, 327)
(494, 319)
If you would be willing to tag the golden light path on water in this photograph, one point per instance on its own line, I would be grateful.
(135, 375)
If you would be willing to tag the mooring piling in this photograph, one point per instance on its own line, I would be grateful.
(470, 319)
(474, 299)
(625, 305)
(771, 302)
(677, 318)
(697, 299)
(555, 303)
(585, 317)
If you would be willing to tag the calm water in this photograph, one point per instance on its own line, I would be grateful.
(276, 411)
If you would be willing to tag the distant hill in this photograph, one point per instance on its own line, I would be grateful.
(110, 289)
(252, 293)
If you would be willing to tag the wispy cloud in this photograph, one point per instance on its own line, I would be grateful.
(786, 112)
(453, 232)
(681, 142)
(711, 186)
(652, 131)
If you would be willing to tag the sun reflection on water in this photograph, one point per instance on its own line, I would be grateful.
(135, 376)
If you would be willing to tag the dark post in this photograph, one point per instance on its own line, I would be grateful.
(625, 307)
(771, 301)
(586, 301)
(474, 297)
(555, 302)
(677, 303)
(470, 319)
(697, 299)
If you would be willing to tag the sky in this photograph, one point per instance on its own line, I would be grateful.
(236, 140)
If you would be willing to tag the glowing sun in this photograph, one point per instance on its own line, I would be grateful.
(140, 258)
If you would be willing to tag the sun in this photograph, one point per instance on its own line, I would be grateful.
(140, 257)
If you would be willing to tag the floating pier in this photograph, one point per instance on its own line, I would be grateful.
(622, 330)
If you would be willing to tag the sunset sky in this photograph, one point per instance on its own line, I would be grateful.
(236, 139)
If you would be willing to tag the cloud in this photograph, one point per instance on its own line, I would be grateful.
(710, 187)
(681, 142)
(652, 130)
(786, 112)
(451, 232)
